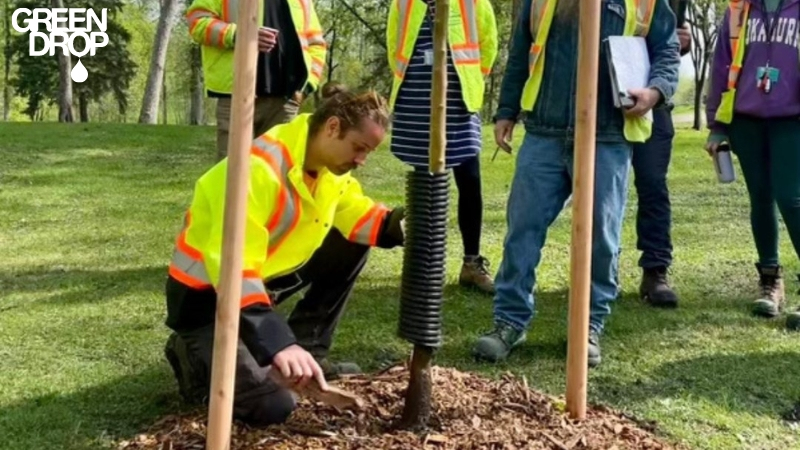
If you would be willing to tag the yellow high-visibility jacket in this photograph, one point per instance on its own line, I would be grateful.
(285, 222)
(639, 14)
(472, 38)
(212, 24)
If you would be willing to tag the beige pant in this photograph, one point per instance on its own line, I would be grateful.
(268, 112)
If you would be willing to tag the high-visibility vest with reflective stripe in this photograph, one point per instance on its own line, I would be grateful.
(285, 224)
(738, 13)
(472, 38)
(212, 23)
(638, 15)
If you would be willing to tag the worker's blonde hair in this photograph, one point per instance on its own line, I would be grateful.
(349, 107)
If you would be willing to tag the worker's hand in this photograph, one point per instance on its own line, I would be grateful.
(503, 134)
(298, 367)
(713, 142)
(645, 99)
(685, 38)
(267, 38)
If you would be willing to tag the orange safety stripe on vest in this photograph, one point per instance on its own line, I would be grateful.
(287, 210)
(738, 12)
(369, 225)
(462, 54)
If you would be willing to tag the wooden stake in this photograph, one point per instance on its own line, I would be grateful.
(582, 207)
(226, 334)
(439, 91)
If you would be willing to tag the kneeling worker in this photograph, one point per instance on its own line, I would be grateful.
(308, 224)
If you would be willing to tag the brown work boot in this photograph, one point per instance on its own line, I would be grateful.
(772, 296)
(475, 273)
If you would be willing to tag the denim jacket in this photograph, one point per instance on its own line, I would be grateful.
(554, 111)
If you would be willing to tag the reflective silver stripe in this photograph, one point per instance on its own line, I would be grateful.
(217, 31)
(303, 42)
(232, 14)
(466, 55)
(252, 286)
(291, 206)
(468, 16)
(316, 68)
(306, 14)
(363, 234)
(401, 67)
(197, 15)
(193, 268)
(537, 10)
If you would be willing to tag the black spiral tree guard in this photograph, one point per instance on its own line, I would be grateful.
(422, 285)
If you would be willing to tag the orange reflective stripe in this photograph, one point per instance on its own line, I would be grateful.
(739, 11)
(253, 290)
(401, 62)
(187, 264)
(306, 14)
(644, 14)
(287, 212)
(367, 228)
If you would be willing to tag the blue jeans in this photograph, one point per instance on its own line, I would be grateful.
(542, 183)
(654, 215)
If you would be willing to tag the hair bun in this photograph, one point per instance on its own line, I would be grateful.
(332, 89)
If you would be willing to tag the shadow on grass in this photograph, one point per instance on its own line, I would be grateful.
(91, 418)
(68, 286)
(759, 384)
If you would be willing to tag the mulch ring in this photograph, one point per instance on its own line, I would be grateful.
(469, 412)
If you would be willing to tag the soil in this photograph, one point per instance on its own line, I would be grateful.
(469, 412)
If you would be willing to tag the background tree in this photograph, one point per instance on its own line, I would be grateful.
(703, 17)
(156, 75)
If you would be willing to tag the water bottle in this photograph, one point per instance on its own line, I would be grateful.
(723, 164)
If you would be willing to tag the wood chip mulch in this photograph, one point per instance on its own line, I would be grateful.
(469, 412)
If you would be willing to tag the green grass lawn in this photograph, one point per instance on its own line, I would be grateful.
(89, 214)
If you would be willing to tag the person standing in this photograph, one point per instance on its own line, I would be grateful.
(288, 29)
(754, 105)
(472, 38)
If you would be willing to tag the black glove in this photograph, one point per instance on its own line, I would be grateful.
(391, 234)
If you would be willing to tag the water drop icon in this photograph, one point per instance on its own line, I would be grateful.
(79, 73)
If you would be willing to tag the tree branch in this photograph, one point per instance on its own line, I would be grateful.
(372, 31)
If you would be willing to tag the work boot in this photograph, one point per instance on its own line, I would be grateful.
(475, 273)
(772, 296)
(334, 371)
(594, 349)
(498, 343)
(655, 288)
(191, 389)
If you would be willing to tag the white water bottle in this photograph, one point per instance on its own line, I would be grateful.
(723, 164)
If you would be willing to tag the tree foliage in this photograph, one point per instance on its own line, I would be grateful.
(110, 69)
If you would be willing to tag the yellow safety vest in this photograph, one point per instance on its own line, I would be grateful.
(285, 224)
(638, 15)
(472, 38)
(212, 24)
(738, 12)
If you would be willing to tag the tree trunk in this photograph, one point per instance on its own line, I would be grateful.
(164, 108)
(7, 68)
(83, 106)
(64, 79)
(196, 110)
(155, 77)
(698, 106)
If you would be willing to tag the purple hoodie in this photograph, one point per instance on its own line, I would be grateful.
(782, 53)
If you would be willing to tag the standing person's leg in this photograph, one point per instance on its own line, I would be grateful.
(784, 138)
(654, 215)
(748, 139)
(272, 111)
(540, 186)
(331, 274)
(612, 165)
(475, 269)
(223, 126)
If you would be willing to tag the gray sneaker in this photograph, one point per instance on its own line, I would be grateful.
(498, 343)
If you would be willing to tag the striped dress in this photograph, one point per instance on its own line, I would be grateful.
(412, 109)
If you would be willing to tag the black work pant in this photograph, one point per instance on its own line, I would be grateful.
(330, 276)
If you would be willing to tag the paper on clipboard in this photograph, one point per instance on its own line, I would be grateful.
(629, 66)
